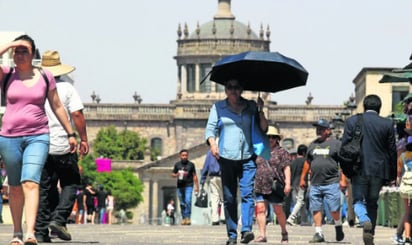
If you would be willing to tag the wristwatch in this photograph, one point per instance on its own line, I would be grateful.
(71, 135)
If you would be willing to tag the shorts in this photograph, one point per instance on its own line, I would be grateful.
(331, 193)
(24, 157)
(271, 198)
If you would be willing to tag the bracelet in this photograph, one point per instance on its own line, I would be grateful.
(71, 135)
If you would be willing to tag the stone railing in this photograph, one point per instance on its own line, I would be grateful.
(200, 110)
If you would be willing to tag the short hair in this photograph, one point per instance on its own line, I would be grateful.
(372, 102)
(302, 149)
(28, 39)
(183, 150)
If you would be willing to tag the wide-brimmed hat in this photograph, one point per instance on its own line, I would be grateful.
(274, 131)
(322, 123)
(51, 61)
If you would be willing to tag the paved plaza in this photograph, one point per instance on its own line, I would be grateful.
(195, 234)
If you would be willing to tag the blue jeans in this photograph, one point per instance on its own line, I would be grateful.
(365, 192)
(231, 172)
(185, 199)
(24, 157)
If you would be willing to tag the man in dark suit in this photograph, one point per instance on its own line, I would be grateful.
(378, 162)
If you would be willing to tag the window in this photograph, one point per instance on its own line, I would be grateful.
(205, 86)
(157, 145)
(191, 78)
(398, 94)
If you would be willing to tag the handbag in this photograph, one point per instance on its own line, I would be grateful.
(278, 186)
(260, 141)
(201, 199)
(405, 188)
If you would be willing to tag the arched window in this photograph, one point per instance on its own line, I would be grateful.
(157, 145)
(288, 144)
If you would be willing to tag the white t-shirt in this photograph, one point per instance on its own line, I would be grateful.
(59, 144)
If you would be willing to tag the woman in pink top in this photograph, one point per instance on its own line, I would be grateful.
(24, 135)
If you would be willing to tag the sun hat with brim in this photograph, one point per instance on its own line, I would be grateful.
(274, 131)
(323, 123)
(51, 62)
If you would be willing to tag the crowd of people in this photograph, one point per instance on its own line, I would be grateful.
(40, 151)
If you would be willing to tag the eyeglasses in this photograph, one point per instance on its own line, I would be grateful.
(273, 136)
(233, 87)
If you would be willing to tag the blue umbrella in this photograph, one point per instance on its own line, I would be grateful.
(260, 71)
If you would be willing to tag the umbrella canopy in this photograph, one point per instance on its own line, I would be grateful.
(260, 71)
(398, 75)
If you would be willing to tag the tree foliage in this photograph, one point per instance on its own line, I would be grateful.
(126, 145)
(124, 185)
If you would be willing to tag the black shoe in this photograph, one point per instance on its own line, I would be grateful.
(42, 238)
(61, 231)
(216, 223)
(318, 237)
(231, 241)
(367, 233)
(339, 233)
(247, 236)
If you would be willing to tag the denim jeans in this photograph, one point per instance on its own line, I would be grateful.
(232, 171)
(24, 157)
(185, 199)
(365, 191)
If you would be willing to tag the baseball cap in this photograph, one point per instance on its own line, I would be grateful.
(322, 123)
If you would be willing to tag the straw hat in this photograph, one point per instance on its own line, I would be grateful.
(51, 61)
(274, 131)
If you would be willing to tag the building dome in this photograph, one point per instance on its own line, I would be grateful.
(223, 29)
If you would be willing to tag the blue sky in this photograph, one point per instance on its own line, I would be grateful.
(123, 46)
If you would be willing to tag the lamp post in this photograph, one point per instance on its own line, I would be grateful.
(339, 119)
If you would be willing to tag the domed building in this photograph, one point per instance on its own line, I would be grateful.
(199, 50)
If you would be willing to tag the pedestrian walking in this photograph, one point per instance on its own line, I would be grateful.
(326, 180)
(185, 172)
(61, 165)
(378, 162)
(25, 139)
(230, 120)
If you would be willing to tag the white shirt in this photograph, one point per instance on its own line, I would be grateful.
(59, 144)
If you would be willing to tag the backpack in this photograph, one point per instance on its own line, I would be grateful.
(405, 188)
(6, 81)
(350, 153)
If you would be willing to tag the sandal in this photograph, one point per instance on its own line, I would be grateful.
(30, 240)
(260, 239)
(285, 238)
(16, 241)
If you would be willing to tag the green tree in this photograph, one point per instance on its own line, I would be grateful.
(126, 145)
(125, 186)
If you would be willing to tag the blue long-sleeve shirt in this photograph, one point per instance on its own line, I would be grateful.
(233, 129)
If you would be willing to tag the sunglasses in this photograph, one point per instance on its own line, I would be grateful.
(233, 87)
(273, 136)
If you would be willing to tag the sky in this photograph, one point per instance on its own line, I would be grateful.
(126, 46)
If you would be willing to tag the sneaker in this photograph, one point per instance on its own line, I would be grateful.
(290, 222)
(42, 238)
(407, 240)
(318, 237)
(367, 233)
(216, 223)
(231, 241)
(397, 239)
(247, 236)
(339, 233)
(61, 231)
